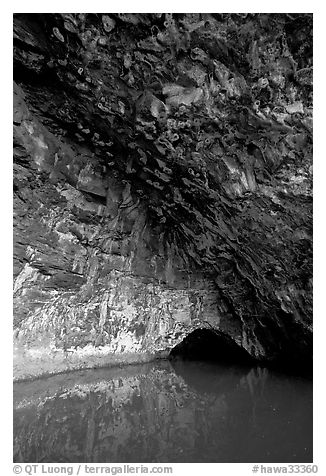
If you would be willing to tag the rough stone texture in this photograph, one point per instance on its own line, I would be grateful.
(162, 183)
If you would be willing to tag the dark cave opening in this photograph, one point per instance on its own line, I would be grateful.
(210, 345)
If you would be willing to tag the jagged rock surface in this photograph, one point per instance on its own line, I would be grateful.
(162, 183)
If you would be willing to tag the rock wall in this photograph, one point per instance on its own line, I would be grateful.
(162, 183)
(90, 284)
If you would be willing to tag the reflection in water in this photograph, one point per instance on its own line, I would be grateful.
(163, 412)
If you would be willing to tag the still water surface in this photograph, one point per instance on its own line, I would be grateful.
(164, 412)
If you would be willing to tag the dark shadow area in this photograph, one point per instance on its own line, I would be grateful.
(210, 345)
(211, 377)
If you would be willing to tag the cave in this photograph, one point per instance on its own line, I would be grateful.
(163, 237)
(162, 181)
(210, 345)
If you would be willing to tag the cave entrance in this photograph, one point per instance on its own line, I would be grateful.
(210, 345)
